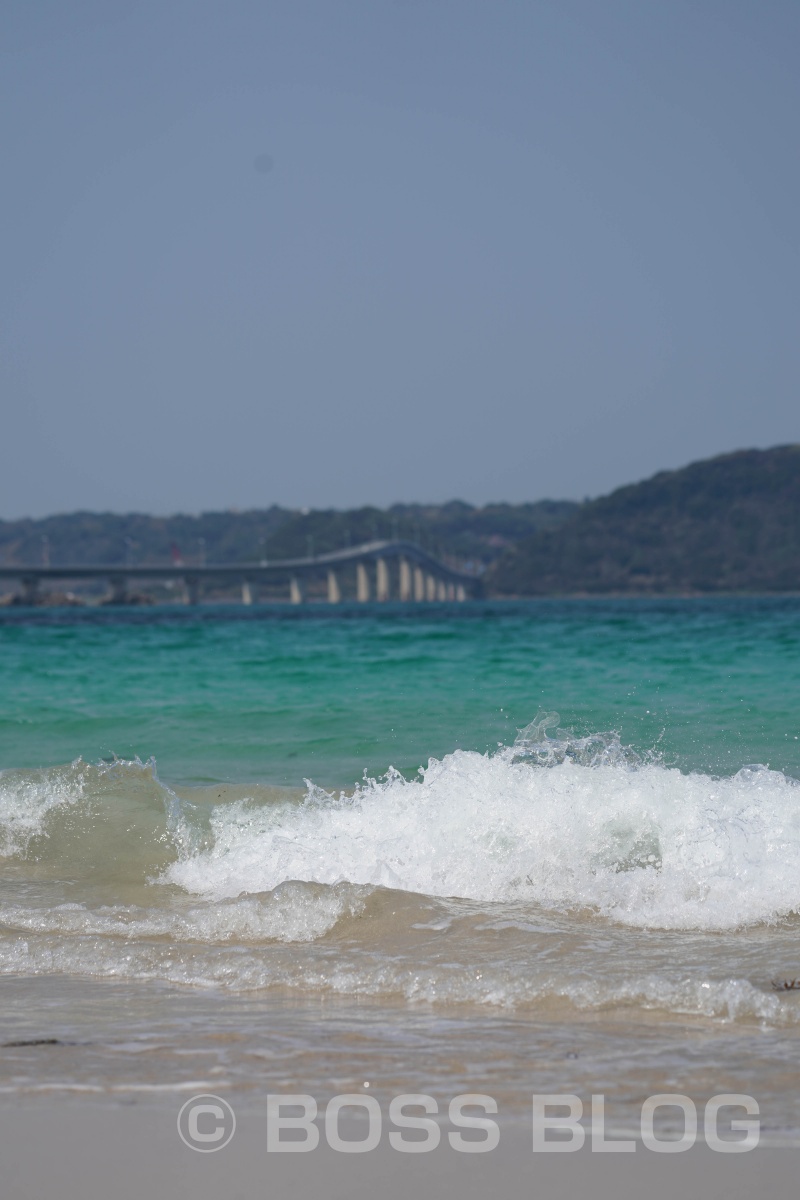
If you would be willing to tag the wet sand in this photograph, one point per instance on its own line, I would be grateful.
(74, 1150)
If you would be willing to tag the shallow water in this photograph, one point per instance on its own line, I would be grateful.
(333, 844)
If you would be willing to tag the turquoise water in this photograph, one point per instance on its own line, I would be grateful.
(608, 897)
(277, 696)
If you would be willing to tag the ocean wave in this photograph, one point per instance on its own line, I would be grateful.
(349, 970)
(294, 912)
(562, 823)
(567, 824)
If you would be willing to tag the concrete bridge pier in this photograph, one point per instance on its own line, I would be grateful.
(419, 577)
(119, 589)
(30, 590)
(362, 583)
(405, 580)
(382, 580)
(334, 590)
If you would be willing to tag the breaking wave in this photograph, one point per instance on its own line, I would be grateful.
(564, 823)
(561, 822)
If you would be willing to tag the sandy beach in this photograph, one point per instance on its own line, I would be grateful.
(76, 1150)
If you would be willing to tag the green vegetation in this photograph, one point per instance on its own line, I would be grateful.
(727, 524)
(88, 538)
(455, 531)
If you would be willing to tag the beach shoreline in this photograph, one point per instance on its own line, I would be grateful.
(591, 905)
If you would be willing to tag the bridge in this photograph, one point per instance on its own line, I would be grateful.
(384, 570)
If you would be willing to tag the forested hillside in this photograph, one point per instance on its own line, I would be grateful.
(725, 524)
(457, 531)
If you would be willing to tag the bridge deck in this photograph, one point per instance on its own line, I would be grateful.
(309, 567)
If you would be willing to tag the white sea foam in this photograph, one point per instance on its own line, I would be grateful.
(564, 824)
(294, 912)
(28, 797)
(508, 985)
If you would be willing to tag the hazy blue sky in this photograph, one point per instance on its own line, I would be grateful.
(330, 253)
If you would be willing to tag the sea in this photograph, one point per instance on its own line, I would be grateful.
(497, 847)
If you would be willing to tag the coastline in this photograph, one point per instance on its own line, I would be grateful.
(594, 905)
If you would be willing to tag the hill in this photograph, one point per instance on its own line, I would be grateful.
(467, 536)
(456, 531)
(725, 524)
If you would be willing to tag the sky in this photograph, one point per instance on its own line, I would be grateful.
(325, 253)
